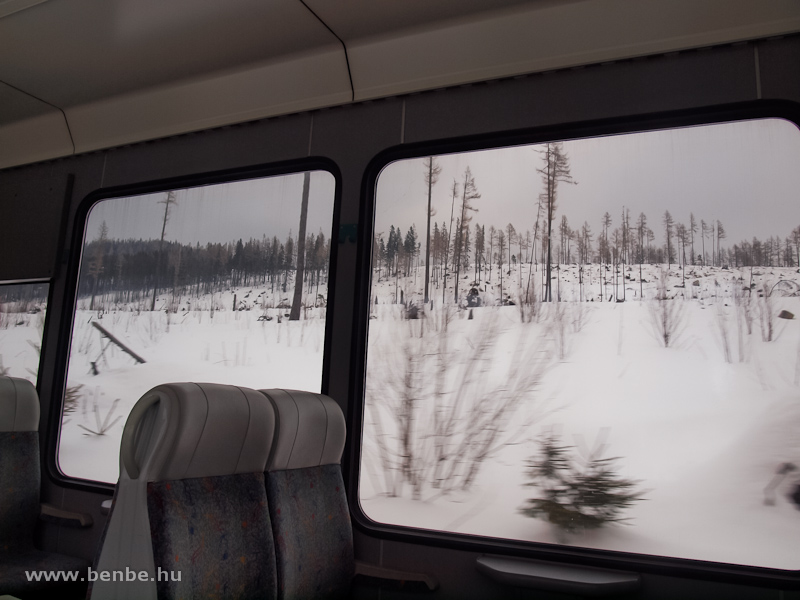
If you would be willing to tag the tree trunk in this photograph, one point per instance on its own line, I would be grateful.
(294, 315)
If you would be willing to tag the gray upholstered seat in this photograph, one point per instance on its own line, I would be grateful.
(307, 501)
(191, 496)
(20, 481)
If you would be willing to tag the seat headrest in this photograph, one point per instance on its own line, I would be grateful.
(187, 430)
(310, 430)
(19, 405)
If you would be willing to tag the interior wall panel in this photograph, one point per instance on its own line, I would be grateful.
(693, 79)
(30, 204)
(351, 136)
(776, 59)
(263, 142)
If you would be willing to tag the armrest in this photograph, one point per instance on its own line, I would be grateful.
(51, 514)
(558, 577)
(105, 507)
(378, 572)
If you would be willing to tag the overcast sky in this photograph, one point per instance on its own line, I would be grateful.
(221, 213)
(745, 174)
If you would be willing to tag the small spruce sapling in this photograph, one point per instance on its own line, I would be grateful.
(574, 498)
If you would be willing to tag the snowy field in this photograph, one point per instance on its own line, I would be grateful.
(21, 329)
(702, 424)
(255, 347)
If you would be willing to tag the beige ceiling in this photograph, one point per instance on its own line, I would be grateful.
(79, 75)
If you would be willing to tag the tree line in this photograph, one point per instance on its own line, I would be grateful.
(454, 247)
(135, 269)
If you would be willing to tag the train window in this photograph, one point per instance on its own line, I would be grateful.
(22, 311)
(223, 283)
(593, 343)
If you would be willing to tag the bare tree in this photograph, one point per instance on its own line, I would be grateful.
(297, 300)
(681, 233)
(167, 202)
(511, 234)
(492, 233)
(604, 255)
(666, 314)
(469, 192)
(641, 229)
(96, 265)
(703, 231)
(554, 171)
(432, 172)
(454, 192)
(721, 235)
(766, 312)
(501, 250)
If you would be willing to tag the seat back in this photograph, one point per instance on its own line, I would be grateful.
(307, 501)
(190, 508)
(19, 464)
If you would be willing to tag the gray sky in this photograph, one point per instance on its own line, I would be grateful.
(745, 174)
(222, 212)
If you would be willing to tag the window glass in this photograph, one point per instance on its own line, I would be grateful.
(22, 311)
(222, 283)
(594, 343)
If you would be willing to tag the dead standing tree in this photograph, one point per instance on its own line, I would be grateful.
(554, 171)
(167, 202)
(454, 192)
(469, 192)
(297, 300)
(432, 172)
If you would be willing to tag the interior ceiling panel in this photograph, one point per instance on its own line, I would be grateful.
(124, 71)
(546, 36)
(360, 19)
(18, 106)
(77, 51)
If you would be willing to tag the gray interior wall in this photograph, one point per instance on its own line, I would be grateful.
(32, 198)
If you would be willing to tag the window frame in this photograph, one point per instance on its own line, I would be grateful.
(692, 568)
(72, 273)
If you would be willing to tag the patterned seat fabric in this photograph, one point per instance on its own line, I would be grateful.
(20, 481)
(307, 501)
(191, 505)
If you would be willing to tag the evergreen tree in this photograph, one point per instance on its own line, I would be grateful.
(669, 223)
(575, 498)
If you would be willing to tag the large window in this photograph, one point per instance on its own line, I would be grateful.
(224, 283)
(22, 311)
(592, 342)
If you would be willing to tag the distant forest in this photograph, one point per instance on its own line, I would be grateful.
(631, 244)
(131, 269)
(457, 247)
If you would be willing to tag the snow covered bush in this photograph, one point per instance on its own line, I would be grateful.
(575, 498)
(439, 402)
(666, 314)
(766, 312)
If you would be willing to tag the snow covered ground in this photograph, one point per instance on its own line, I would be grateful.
(702, 429)
(21, 339)
(195, 344)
